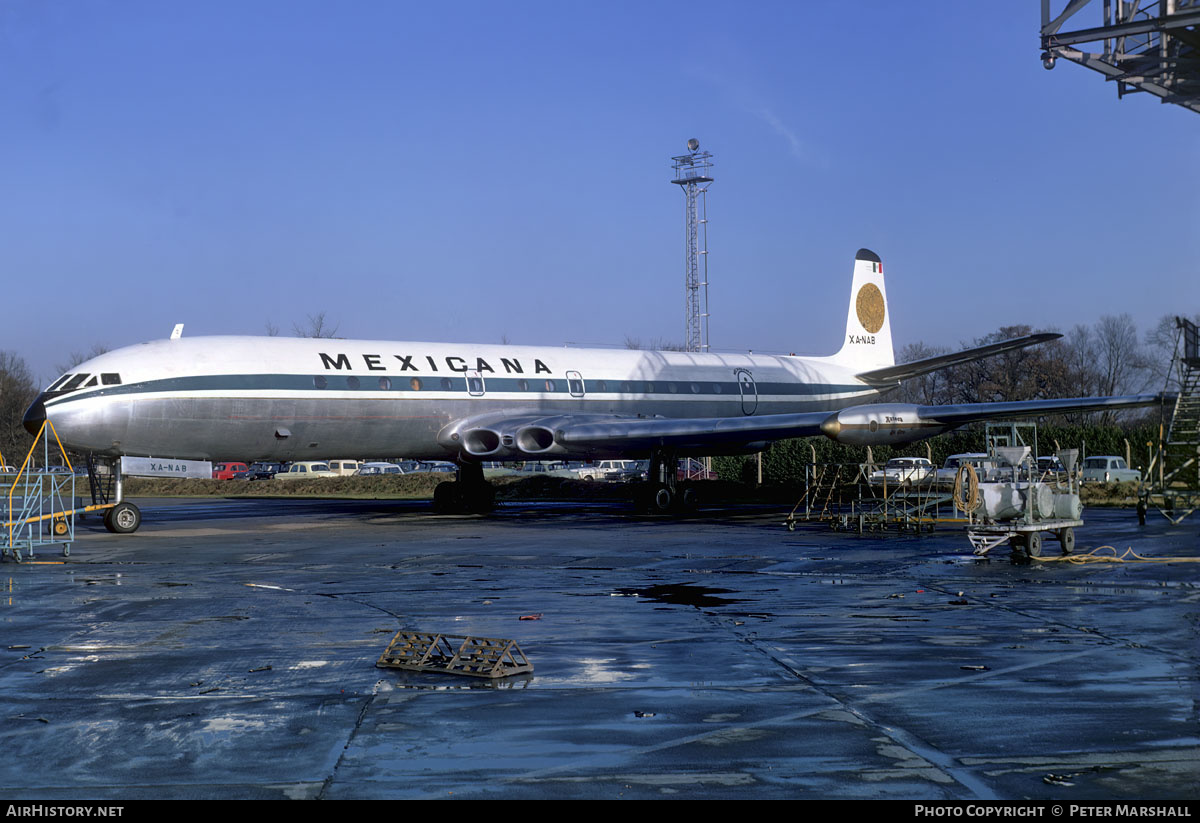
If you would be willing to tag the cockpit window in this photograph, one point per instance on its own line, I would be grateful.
(110, 379)
(74, 382)
(94, 381)
(54, 386)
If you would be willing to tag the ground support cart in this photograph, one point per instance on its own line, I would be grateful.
(1026, 539)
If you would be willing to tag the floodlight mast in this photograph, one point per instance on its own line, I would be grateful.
(693, 175)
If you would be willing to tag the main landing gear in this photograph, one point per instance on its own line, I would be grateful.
(662, 493)
(468, 494)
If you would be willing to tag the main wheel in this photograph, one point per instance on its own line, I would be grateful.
(662, 500)
(479, 498)
(446, 498)
(123, 518)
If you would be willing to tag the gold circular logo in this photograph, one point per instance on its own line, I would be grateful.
(869, 306)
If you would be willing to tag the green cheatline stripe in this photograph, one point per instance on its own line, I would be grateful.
(411, 386)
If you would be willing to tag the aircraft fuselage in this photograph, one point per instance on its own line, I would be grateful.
(270, 398)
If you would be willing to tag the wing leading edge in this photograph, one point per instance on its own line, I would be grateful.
(500, 437)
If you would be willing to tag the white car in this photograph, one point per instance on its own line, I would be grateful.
(377, 468)
(306, 469)
(608, 470)
(984, 467)
(903, 470)
(344, 468)
(552, 468)
(1109, 469)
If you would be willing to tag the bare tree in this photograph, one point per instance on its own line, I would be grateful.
(1121, 363)
(17, 391)
(1159, 349)
(1080, 357)
(657, 344)
(1025, 374)
(928, 389)
(1105, 359)
(76, 358)
(317, 326)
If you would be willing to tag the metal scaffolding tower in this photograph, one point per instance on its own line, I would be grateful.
(1143, 45)
(692, 175)
(1173, 476)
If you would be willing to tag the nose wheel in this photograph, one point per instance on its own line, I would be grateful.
(123, 518)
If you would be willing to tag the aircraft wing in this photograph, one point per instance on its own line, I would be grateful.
(903, 371)
(689, 434)
(499, 437)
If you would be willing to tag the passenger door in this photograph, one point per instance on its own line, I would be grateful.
(475, 385)
(575, 383)
(748, 390)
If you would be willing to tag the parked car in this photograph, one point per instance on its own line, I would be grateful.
(438, 466)
(306, 469)
(1051, 468)
(343, 468)
(495, 468)
(366, 469)
(546, 468)
(984, 466)
(230, 471)
(1109, 469)
(903, 470)
(416, 466)
(264, 471)
(619, 470)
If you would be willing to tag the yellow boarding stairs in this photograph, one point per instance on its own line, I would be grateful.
(38, 507)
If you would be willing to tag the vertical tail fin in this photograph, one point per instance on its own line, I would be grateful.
(868, 341)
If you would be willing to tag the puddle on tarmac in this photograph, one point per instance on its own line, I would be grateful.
(683, 594)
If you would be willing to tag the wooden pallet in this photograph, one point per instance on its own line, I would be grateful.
(454, 654)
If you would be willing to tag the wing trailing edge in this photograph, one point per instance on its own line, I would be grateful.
(507, 437)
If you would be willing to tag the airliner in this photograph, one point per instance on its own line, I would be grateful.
(290, 399)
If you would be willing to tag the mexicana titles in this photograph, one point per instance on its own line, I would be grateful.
(427, 362)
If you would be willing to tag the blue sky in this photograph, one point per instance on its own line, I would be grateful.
(482, 171)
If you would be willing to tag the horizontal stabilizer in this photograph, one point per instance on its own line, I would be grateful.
(904, 371)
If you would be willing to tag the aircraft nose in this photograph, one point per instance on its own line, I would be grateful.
(35, 416)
